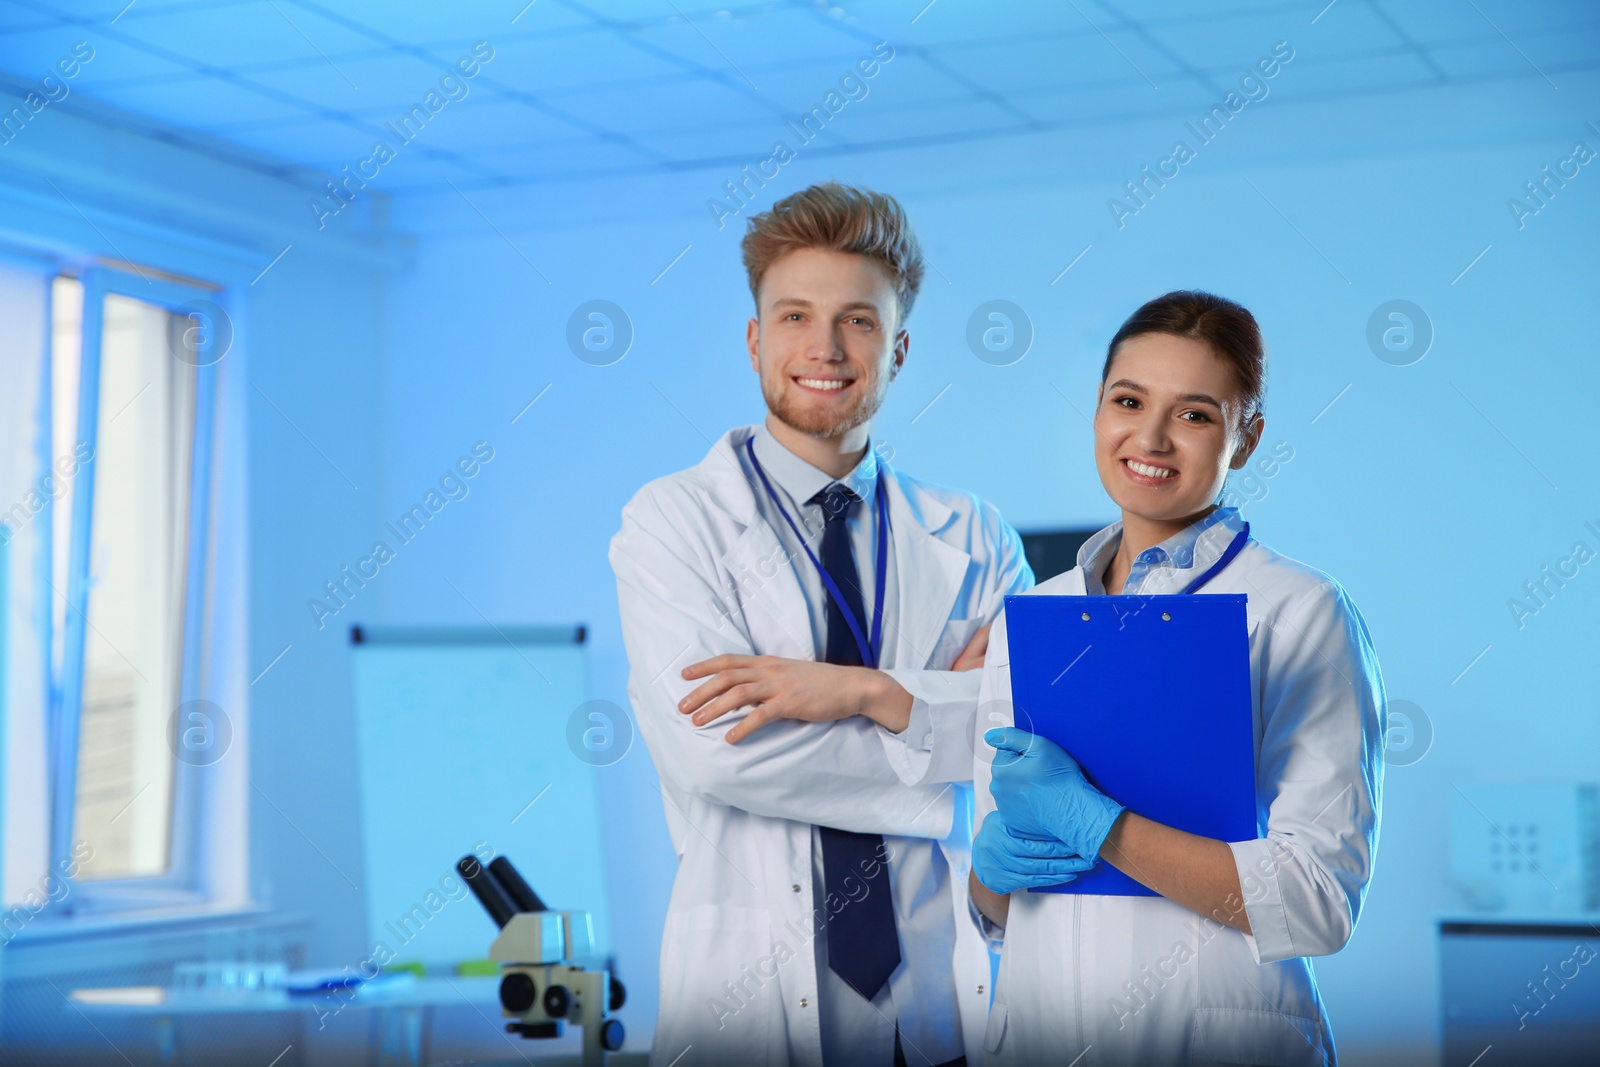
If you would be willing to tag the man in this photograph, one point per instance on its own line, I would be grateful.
(793, 611)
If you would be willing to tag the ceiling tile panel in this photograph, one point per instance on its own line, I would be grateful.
(956, 21)
(799, 85)
(459, 20)
(390, 81)
(951, 119)
(1310, 75)
(572, 61)
(242, 33)
(732, 146)
(1023, 64)
(317, 144)
(411, 171)
(689, 101)
(571, 156)
(1231, 45)
(1517, 19)
(32, 54)
(483, 122)
(770, 35)
(203, 102)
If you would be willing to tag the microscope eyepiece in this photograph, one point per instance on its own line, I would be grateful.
(520, 892)
(487, 888)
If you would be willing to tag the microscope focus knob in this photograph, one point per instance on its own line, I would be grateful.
(556, 1001)
(611, 1035)
(619, 995)
(517, 992)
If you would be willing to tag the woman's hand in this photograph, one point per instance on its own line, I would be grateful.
(1041, 792)
(777, 688)
(1004, 862)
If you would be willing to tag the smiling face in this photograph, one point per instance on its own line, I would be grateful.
(827, 340)
(1168, 428)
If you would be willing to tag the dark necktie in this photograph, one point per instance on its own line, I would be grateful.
(863, 944)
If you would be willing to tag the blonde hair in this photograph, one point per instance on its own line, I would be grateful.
(839, 218)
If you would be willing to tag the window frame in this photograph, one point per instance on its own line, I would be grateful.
(182, 883)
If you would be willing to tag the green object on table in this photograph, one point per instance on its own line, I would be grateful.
(478, 968)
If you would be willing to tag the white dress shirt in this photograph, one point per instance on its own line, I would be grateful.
(920, 995)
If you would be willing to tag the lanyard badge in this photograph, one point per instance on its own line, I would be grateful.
(1227, 557)
(869, 645)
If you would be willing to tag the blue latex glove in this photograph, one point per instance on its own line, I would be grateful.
(1005, 862)
(1041, 792)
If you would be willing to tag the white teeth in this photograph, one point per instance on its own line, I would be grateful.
(1149, 471)
(823, 383)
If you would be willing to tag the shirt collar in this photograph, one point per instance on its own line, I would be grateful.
(1193, 548)
(802, 481)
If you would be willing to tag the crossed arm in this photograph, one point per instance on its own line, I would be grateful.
(673, 611)
(776, 688)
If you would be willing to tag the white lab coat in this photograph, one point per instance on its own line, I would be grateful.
(699, 574)
(1146, 981)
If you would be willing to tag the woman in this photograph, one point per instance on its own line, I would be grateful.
(1215, 968)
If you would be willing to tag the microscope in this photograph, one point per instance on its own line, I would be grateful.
(543, 982)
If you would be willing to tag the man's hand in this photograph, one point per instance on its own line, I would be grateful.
(777, 688)
(971, 657)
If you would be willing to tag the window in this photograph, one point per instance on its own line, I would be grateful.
(130, 386)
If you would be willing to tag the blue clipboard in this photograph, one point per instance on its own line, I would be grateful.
(1151, 695)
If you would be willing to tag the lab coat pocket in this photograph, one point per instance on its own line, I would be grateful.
(1246, 1036)
(952, 639)
(995, 1032)
(706, 952)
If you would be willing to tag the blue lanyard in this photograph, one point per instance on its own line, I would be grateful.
(1227, 558)
(869, 647)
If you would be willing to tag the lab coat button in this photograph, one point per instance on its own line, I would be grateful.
(927, 740)
(795, 887)
(802, 1002)
(980, 989)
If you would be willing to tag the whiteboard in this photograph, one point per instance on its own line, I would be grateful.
(462, 739)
